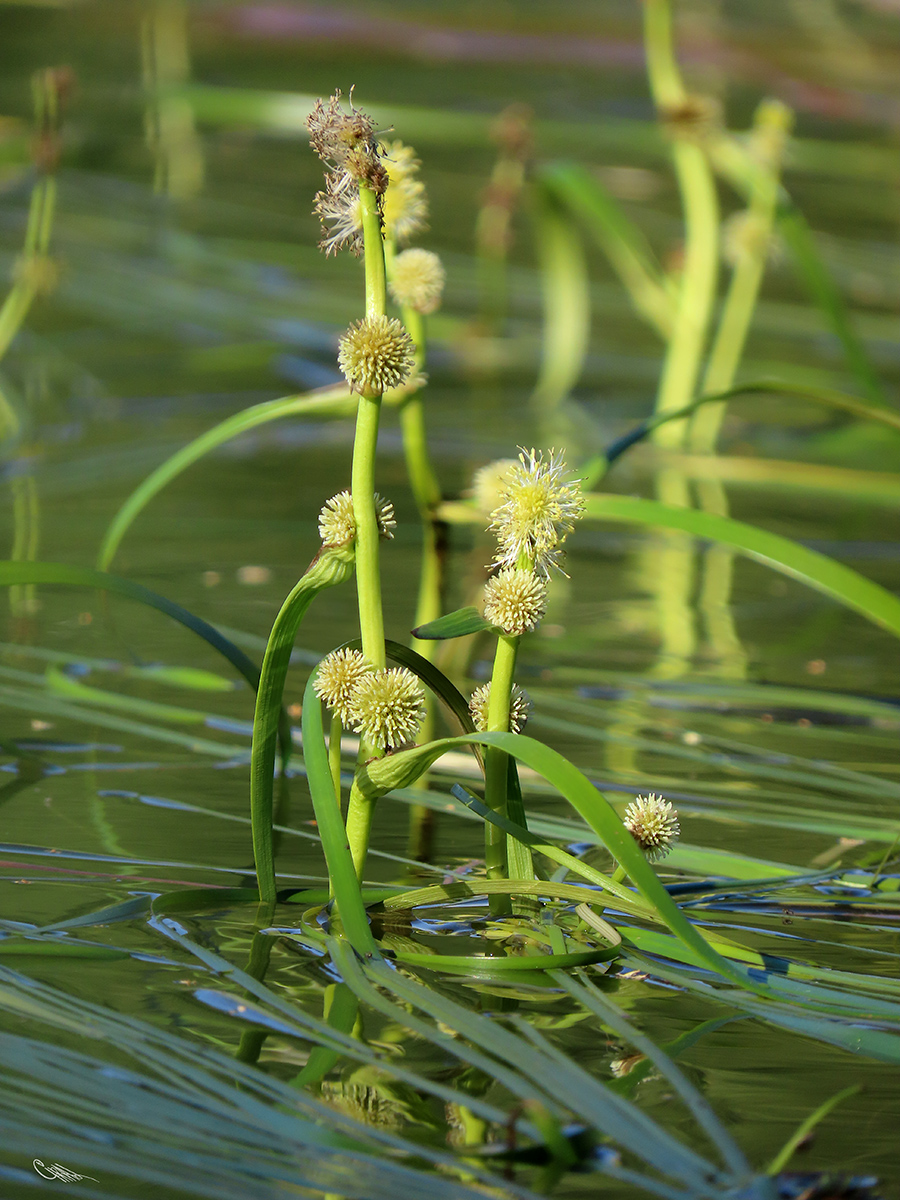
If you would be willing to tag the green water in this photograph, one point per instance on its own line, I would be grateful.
(172, 314)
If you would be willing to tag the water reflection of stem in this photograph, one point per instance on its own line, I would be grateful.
(252, 1040)
(565, 288)
(169, 116)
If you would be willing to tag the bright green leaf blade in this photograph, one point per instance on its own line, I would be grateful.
(68, 576)
(331, 827)
(333, 401)
(456, 624)
(826, 575)
(330, 568)
(621, 240)
(795, 230)
(399, 770)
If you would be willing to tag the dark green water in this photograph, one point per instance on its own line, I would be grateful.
(172, 314)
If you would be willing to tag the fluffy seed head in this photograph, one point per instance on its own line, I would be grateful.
(338, 678)
(515, 600)
(337, 523)
(388, 707)
(419, 278)
(519, 708)
(653, 823)
(405, 202)
(375, 354)
(338, 209)
(539, 505)
(346, 143)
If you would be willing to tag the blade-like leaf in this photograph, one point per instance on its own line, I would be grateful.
(456, 624)
(332, 401)
(825, 574)
(332, 567)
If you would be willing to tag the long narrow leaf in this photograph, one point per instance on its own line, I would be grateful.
(332, 401)
(826, 575)
(330, 568)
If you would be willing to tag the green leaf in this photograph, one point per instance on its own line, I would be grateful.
(826, 575)
(795, 230)
(332, 567)
(332, 401)
(38, 947)
(399, 770)
(456, 624)
(61, 573)
(331, 828)
(621, 240)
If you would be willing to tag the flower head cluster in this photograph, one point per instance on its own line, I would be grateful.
(337, 523)
(538, 507)
(515, 601)
(375, 354)
(337, 679)
(387, 707)
(347, 145)
(418, 281)
(653, 823)
(405, 203)
(519, 708)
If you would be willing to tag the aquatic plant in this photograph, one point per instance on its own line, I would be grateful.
(548, 921)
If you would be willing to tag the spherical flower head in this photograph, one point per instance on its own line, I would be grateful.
(539, 505)
(388, 707)
(375, 354)
(418, 281)
(653, 823)
(515, 601)
(337, 522)
(405, 202)
(519, 708)
(337, 679)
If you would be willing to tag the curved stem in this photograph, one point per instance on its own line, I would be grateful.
(496, 765)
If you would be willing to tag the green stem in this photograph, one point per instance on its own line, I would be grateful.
(496, 764)
(376, 284)
(362, 488)
(770, 126)
(701, 215)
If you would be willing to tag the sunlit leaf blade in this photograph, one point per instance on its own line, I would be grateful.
(69, 576)
(795, 230)
(826, 575)
(331, 567)
(399, 769)
(331, 828)
(623, 242)
(332, 401)
(456, 624)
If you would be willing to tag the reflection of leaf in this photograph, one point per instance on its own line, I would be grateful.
(817, 571)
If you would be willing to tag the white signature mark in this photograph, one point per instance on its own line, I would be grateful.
(57, 1171)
